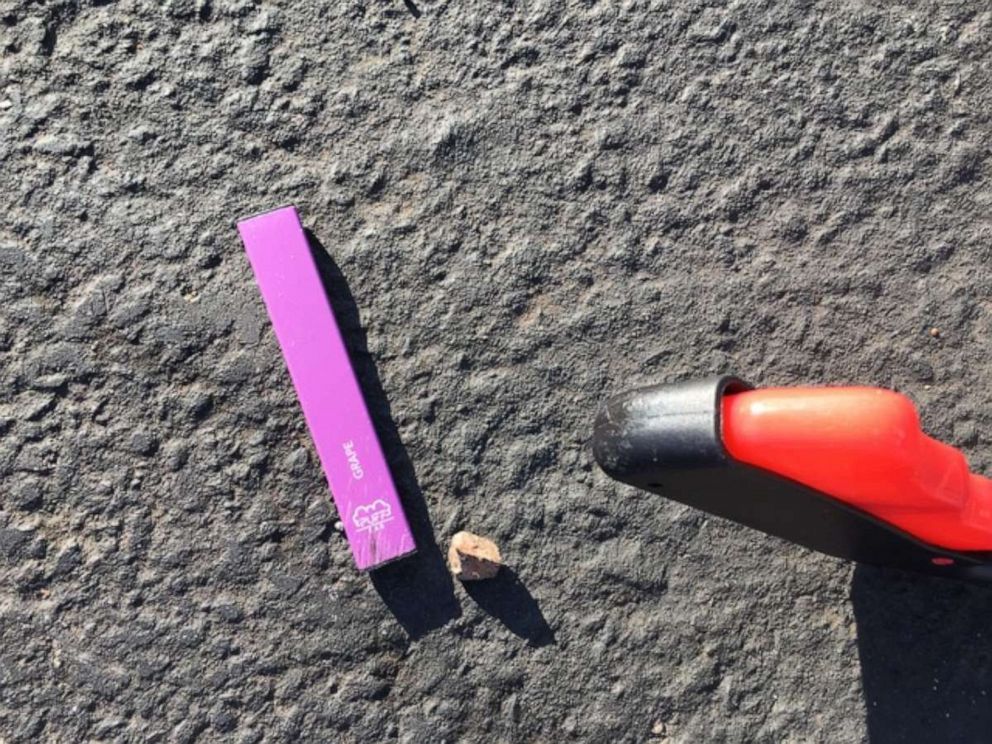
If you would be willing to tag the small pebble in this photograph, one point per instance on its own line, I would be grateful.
(472, 557)
(935, 332)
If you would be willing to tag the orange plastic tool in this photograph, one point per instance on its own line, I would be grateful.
(845, 470)
(863, 446)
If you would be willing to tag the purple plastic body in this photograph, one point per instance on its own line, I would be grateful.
(332, 402)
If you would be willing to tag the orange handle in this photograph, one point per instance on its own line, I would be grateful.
(863, 446)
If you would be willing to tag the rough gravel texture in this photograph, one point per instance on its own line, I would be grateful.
(525, 206)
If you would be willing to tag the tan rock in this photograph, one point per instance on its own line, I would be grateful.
(472, 558)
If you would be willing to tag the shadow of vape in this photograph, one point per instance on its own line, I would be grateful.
(925, 646)
(507, 599)
(417, 589)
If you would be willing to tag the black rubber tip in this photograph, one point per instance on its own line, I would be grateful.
(652, 429)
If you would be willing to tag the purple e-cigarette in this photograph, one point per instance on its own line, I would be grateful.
(329, 393)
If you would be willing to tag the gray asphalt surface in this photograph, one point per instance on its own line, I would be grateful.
(521, 207)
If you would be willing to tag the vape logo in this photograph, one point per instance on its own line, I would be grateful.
(372, 517)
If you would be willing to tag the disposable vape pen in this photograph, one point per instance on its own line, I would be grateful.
(328, 390)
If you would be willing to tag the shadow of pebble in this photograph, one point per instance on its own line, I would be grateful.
(507, 599)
